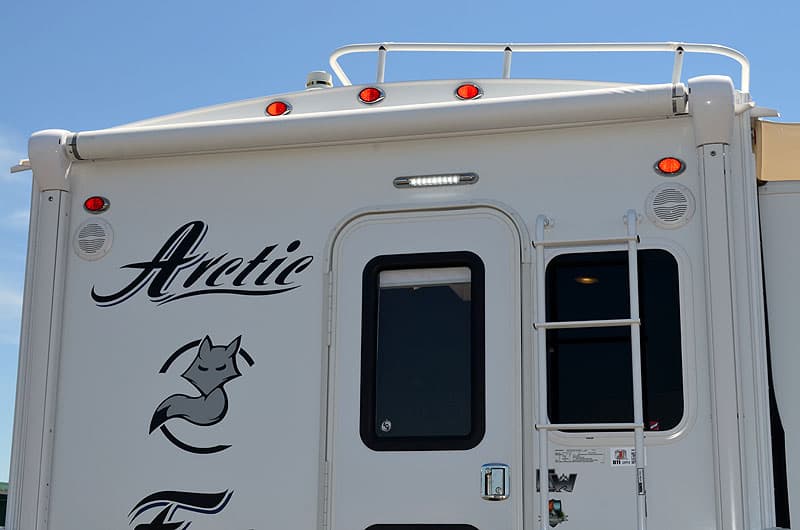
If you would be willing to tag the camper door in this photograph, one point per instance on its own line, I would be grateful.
(424, 413)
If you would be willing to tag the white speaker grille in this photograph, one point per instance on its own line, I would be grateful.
(93, 239)
(670, 205)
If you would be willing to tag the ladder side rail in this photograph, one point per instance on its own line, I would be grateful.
(541, 376)
(678, 48)
(636, 365)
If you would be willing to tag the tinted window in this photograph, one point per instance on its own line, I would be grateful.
(589, 370)
(422, 527)
(422, 352)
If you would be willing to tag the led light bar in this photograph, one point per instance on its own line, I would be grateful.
(427, 181)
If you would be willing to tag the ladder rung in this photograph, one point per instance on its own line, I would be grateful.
(589, 426)
(582, 324)
(586, 242)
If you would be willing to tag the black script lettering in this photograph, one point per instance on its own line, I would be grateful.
(204, 266)
(173, 256)
(263, 278)
(226, 268)
(252, 264)
(294, 267)
(179, 253)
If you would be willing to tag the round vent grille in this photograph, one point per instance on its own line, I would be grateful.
(670, 205)
(93, 239)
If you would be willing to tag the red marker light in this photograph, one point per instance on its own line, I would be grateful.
(96, 204)
(670, 166)
(371, 95)
(278, 108)
(468, 91)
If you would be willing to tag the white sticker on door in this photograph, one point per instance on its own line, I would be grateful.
(623, 456)
(580, 456)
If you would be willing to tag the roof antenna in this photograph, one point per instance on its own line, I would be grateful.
(319, 79)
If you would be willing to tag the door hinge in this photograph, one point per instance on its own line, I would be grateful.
(324, 512)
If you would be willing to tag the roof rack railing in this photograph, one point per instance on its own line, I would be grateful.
(678, 48)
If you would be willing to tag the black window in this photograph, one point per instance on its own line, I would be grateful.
(422, 355)
(422, 527)
(589, 370)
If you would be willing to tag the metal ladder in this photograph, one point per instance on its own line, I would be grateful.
(541, 326)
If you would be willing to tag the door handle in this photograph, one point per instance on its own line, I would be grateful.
(495, 482)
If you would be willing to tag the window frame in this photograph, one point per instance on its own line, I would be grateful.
(686, 287)
(421, 526)
(369, 349)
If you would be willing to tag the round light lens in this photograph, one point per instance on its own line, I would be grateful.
(278, 108)
(370, 95)
(670, 166)
(468, 91)
(96, 204)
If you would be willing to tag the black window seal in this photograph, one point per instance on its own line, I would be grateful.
(369, 341)
(422, 526)
(679, 426)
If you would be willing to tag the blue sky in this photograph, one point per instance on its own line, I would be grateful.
(92, 64)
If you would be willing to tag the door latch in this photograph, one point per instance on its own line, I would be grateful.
(495, 482)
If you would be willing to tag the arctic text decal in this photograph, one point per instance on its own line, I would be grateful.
(178, 270)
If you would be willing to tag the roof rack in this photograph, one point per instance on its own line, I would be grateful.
(678, 48)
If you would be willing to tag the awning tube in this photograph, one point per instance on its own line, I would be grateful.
(365, 125)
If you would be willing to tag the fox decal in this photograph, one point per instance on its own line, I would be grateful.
(210, 370)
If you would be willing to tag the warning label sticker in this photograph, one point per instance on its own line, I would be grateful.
(580, 456)
(622, 456)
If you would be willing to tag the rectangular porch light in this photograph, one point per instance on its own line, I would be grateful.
(427, 181)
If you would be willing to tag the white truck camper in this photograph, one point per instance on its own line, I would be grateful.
(470, 304)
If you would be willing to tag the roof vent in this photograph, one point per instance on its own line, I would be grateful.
(93, 239)
(319, 79)
(670, 205)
